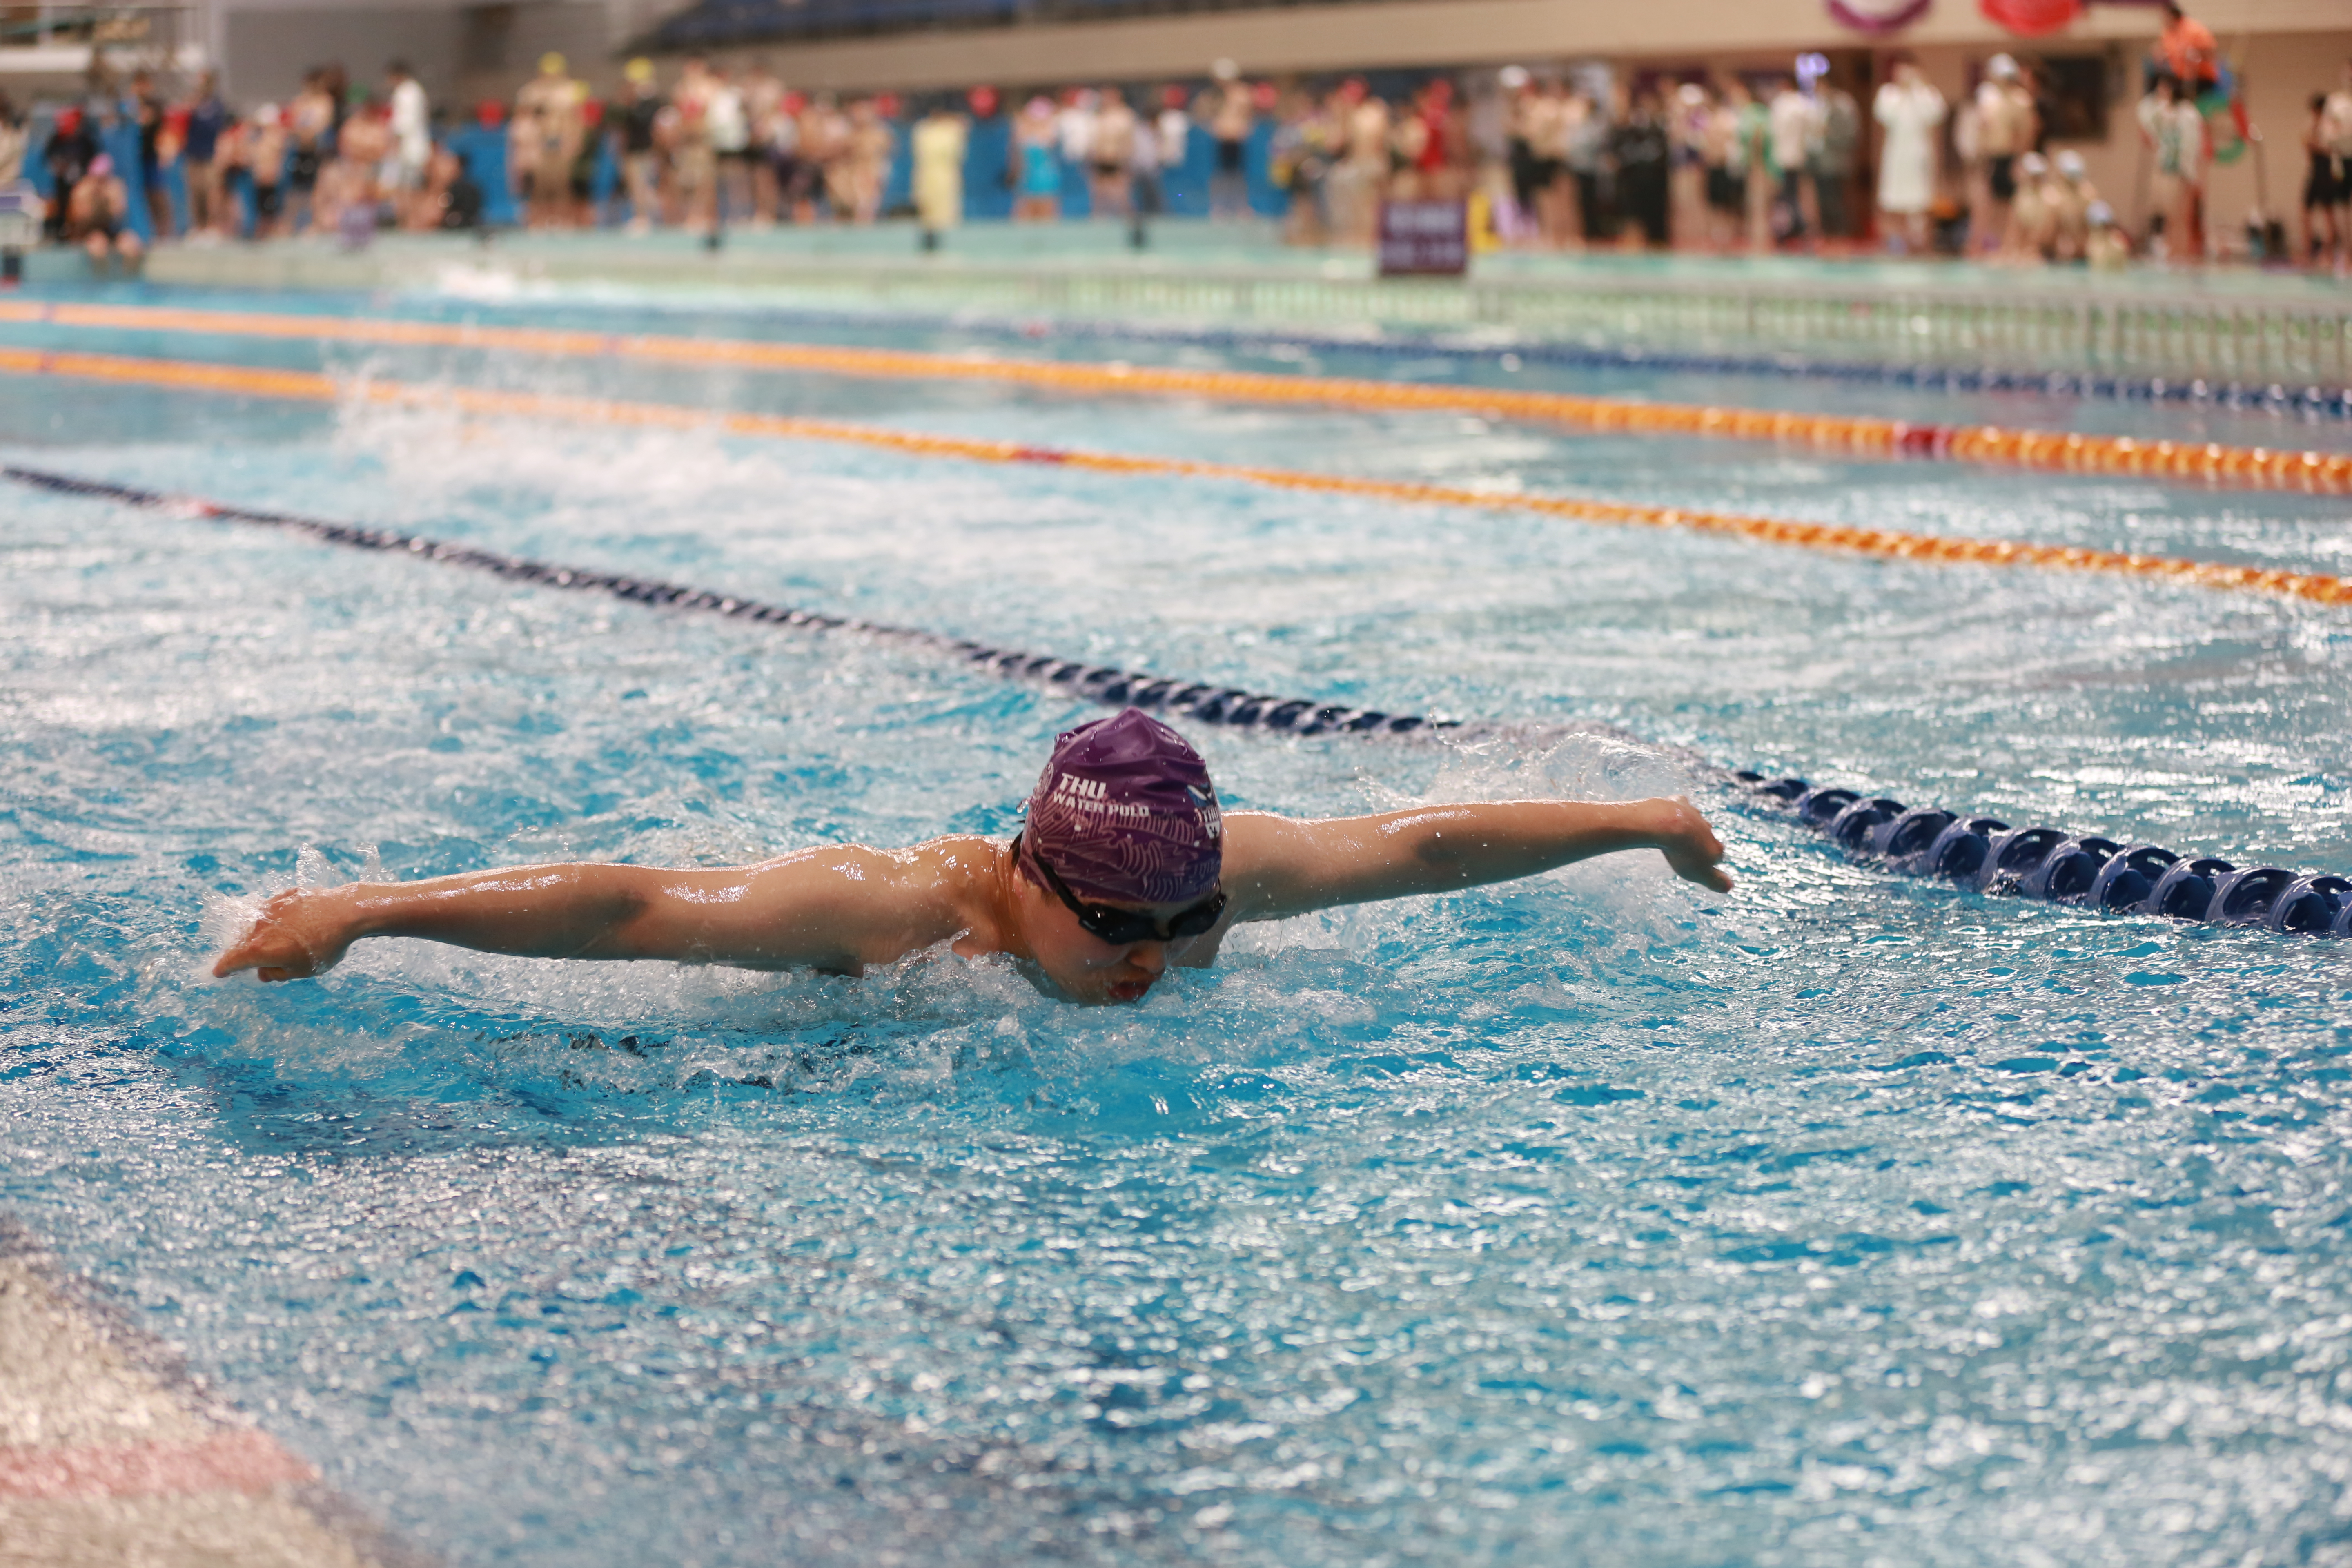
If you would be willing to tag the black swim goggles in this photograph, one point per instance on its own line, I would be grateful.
(1121, 927)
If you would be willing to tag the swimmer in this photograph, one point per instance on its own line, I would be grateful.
(1124, 866)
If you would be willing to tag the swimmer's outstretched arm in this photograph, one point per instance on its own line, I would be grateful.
(1276, 867)
(834, 909)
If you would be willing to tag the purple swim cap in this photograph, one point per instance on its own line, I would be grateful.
(1125, 811)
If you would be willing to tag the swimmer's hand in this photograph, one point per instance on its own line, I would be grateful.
(299, 933)
(1690, 845)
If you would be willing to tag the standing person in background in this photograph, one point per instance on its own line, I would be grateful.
(729, 125)
(1442, 161)
(1299, 160)
(585, 208)
(146, 106)
(1408, 135)
(633, 126)
(1519, 118)
(1583, 140)
(336, 83)
(1689, 112)
(232, 154)
(1911, 113)
(555, 101)
(872, 145)
(1036, 171)
(1146, 196)
(805, 178)
(777, 145)
(1488, 182)
(940, 142)
(832, 132)
(1640, 151)
(1175, 136)
(694, 167)
(1791, 118)
(1074, 127)
(2175, 132)
(525, 180)
(171, 144)
(2047, 107)
(1837, 144)
(1727, 167)
(2319, 186)
(763, 107)
(2335, 133)
(825, 154)
(1230, 111)
(1110, 180)
(2004, 133)
(14, 140)
(1555, 193)
(411, 126)
(199, 155)
(1353, 186)
(1755, 131)
(311, 132)
(267, 149)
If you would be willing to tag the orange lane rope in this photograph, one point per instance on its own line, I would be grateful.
(310, 386)
(2255, 467)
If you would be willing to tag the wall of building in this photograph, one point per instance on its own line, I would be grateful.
(461, 52)
(266, 52)
(1410, 33)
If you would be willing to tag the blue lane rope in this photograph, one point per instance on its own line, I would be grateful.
(1987, 855)
(2275, 398)
(1232, 705)
(1979, 853)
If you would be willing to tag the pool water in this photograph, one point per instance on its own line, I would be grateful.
(1847, 1220)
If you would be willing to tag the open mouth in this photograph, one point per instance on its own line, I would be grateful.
(1129, 990)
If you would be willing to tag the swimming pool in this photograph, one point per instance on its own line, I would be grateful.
(1849, 1220)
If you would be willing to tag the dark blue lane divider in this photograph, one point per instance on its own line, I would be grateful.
(1988, 856)
(1977, 852)
(1206, 704)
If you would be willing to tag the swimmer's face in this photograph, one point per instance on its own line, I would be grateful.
(1086, 968)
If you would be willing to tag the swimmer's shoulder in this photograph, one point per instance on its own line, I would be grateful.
(956, 856)
(1254, 839)
(952, 860)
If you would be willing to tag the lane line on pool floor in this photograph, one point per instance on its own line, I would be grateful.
(109, 1454)
(188, 375)
(1982, 854)
(2212, 463)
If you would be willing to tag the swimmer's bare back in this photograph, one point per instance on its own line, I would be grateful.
(841, 909)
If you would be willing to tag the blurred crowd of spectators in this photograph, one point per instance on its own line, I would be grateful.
(1566, 160)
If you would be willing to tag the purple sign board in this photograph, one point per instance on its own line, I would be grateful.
(1424, 238)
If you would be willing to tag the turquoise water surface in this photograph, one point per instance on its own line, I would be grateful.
(1847, 1220)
